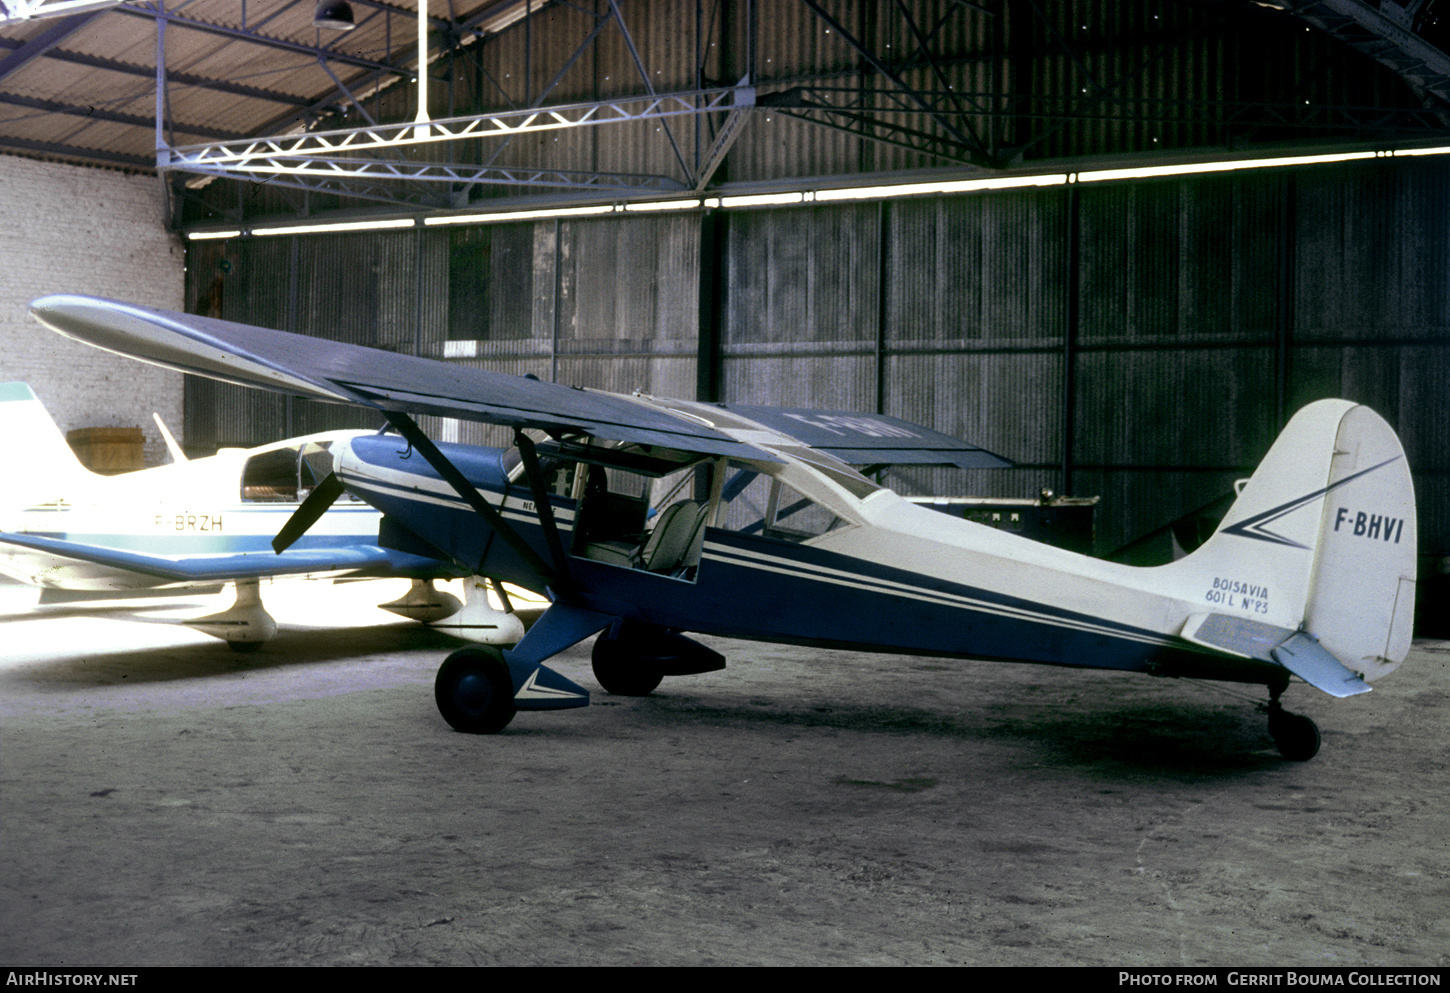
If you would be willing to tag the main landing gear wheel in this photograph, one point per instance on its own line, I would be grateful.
(1296, 736)
(473, 690)
(621, 670)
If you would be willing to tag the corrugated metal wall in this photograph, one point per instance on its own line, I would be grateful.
(1139, 341)
(975, 311)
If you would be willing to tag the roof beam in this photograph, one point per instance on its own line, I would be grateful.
(1420, 64)
(442, 172)
(349, 141)
(93, 113)
(268, 41)
(42, 43)
(973, 148)
(181, 78)
(72, 152)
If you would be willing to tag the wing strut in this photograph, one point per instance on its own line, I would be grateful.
(414, 436)
(541, 503)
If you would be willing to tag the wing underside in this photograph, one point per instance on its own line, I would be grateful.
(389, 381)
(68, 564)
(392, 382)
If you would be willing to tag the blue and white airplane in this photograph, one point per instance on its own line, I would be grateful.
(200, 523)
(642, 518)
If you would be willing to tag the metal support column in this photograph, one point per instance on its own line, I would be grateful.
(1284, 340)
(1071, 309)
(714, 282)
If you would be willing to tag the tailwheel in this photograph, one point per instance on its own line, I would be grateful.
(622, 670)
(1296, 736)
(473, 690)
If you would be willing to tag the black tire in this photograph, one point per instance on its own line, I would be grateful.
(1296, 736)
(621, 670)
(474, 692)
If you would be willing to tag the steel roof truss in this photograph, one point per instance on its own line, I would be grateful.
(347, 142)
(436, 172)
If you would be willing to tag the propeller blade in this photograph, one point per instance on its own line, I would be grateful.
(306, 515)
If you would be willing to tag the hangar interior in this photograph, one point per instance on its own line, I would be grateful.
(1117, 242)
(1014, 222)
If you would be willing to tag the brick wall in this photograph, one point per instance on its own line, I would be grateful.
(69, 229)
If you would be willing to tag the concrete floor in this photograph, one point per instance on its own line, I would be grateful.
(164, 800)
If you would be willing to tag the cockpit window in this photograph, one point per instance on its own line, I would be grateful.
(286, 475)
(271, 477)
(314, 464)
(752, 503)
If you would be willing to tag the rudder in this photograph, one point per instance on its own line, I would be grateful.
(1362, 597)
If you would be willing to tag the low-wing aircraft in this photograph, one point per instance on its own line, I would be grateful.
(642, 518)
(201, 523)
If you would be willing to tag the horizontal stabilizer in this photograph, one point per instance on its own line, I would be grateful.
(1310, 661)
(1297, 651)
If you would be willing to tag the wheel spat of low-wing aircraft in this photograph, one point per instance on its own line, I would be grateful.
(642, 518)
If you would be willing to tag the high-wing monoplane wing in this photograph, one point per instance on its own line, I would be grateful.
(866, 439)
(339, 372)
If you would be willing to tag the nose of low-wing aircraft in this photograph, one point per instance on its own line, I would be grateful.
(318, 502)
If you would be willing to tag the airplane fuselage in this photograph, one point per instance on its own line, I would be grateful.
(892, 577)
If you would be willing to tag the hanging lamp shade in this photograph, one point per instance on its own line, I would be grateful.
(335, 15)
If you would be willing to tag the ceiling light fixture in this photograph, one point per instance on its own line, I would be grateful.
(517, 215)
(397, 222)
(820, 196)
(334, 15)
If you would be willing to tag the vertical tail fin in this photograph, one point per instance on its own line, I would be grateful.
(42, 466)
(1323, 539)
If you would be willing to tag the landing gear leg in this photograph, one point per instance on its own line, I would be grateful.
(480, 620)
(423, 603)
(1296, 736)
